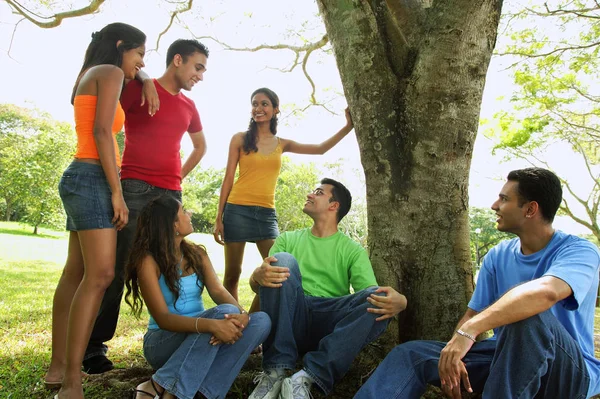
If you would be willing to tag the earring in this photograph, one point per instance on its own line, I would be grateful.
(176, 233)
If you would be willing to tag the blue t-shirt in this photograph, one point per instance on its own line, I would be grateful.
(570, 258)
(189, 302)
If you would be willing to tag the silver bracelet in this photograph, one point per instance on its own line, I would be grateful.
(464, 334)
(197, 318)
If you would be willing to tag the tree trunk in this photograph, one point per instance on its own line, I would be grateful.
(35, 229)
(413, 73)
(8, 209)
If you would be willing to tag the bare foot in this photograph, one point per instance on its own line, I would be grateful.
(53, 378)
(54, 375)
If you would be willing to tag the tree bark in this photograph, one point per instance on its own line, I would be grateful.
(415, 93)
(8, 210)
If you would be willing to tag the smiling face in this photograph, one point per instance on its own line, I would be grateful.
(133, 61)
(183, 224)
(319, 201)
(511, 215)
(191, 71)
(262, 108)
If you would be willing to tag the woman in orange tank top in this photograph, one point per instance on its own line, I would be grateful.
(246, 210)
(91, 193)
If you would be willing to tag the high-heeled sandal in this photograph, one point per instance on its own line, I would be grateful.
(154, 396)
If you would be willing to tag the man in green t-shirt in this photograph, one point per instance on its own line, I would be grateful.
(304, 286)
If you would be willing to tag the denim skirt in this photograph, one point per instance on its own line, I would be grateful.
(243, 223)
(86, 197)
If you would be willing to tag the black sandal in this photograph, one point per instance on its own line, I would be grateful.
(154, 396)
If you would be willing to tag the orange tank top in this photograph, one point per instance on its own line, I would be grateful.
(85, 116)
(256, 183)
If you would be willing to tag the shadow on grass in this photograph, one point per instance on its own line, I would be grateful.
(19, 230)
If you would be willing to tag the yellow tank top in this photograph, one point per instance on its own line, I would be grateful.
(256, 183)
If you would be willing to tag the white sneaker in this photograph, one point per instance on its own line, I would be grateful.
(268, 385)
(298, 388)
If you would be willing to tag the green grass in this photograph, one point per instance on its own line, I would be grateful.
(30, 267)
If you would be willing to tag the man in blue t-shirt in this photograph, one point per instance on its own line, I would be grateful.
(537, 292)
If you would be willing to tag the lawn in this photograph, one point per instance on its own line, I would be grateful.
(30, 267)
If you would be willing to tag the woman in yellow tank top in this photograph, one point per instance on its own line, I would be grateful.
(90, 190)
(247, 207)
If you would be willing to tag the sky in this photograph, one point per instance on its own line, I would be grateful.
(43, 64)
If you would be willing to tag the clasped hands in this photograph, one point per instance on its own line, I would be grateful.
(229, 329)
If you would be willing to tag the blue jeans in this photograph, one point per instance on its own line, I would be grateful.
(188, 363)
(329, 331)
(137, 194)
(533, 358)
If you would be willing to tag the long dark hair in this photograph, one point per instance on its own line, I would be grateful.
(251, 133)
(155, 237)
(103, 48)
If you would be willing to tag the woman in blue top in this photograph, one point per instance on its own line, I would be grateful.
(193, 350)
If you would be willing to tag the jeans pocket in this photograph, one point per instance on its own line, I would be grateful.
(133, 186)
(67, 184)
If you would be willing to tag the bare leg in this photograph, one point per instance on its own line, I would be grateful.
(63, 296)
(264, 246)
(98, 248)
(234, 255)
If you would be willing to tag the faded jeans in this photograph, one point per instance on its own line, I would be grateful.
(533, 358)
(329, 331)
(187, 363)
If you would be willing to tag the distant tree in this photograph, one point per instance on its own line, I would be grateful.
(201, 196)
(34, 151)
(295, 181)
(483, 233)
(16, 125)
(556, 107)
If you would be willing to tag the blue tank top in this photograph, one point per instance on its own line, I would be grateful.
(189, 302)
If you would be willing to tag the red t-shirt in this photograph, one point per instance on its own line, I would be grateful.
(152, 143)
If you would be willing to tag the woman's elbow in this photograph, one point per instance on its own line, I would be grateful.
(101, 132)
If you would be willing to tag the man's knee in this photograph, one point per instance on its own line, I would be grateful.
(367, 292)
(285, 259)
(535, 322)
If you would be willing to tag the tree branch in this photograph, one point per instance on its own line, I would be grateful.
(55, 19)
(559, 12)
(565, 208)
(296, 49)
(556, 50)
(12, 38)
(174, 14)
(300, 51)
(594, 136)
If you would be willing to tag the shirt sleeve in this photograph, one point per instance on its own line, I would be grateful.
(195, 123)
(361, 271)
(132, 95)
(279, 245)
(485, 290)
(577, 265)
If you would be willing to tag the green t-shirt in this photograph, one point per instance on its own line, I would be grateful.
(328, 265)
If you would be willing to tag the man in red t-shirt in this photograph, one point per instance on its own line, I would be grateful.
(151, 166)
